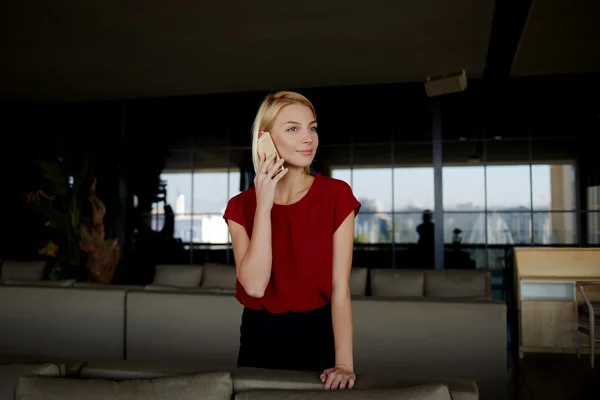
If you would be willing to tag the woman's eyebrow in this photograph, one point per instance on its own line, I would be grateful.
(298, 123)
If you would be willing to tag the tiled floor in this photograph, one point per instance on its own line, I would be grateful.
(549, 377)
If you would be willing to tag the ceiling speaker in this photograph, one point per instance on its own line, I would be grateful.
(445, 84)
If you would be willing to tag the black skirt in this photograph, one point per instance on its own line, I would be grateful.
(294, 340)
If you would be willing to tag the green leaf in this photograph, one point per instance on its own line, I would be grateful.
(51, 170)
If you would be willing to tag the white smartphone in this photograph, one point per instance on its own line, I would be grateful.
(267, 146)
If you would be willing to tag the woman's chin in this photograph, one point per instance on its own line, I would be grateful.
(298, 164)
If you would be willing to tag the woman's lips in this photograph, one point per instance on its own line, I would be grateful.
(305, 152)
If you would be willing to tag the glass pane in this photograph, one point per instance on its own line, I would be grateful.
(210, 192)
(553, 187)
(234, 183)
(554, 228)
(465, 257)
(509, 228)
(178, 162)
(501, 151)
(553, 174)
(210, 228)
(183, 228)
(373, 227)
(463, 188)
(413, 189)
(405, 227)
(508, 187)
(211, 159)
(502, 227)
(372, 178)
(471, 226)
(242, 169)
(342, 174)
(593, 228)
(499, 257)
(331, 158)
(179, 191)
(413, 178)
(593, 198)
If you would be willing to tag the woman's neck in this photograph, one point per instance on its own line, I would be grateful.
(294, 183)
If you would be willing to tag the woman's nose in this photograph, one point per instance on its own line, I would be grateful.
(307, 137)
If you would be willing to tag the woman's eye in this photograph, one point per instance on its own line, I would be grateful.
(292, 129)
(313, 129)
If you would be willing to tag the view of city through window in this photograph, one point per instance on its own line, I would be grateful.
(512, 204)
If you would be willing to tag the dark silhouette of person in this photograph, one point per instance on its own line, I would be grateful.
(425, 230)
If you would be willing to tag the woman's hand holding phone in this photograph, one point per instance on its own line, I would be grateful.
(266, 180)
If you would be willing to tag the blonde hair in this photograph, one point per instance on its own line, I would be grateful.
(267, 112)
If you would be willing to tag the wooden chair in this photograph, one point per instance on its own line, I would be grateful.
(588, 318)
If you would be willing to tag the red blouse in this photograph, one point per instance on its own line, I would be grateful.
(302, 243)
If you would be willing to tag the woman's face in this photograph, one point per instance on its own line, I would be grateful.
(294, 133)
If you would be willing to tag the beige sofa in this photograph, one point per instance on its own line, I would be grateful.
(434, 339)
(99, 382)
(380, 282)
(430, 283)
(218, 278)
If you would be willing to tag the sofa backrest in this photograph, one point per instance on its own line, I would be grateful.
(220, 278)
(441, 284)
(62, 323)
(453, 339)
(22, 270)
(181, 327)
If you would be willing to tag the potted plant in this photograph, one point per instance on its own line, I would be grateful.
(59, 199)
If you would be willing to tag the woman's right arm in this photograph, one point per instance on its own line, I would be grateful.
(253, 257)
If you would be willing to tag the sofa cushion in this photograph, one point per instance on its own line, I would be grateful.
(397, 282)
(219, 276)
(457, 283)
(63, 283)
(358, 281)
(423, 392)
(101, 286)
(187, 276)
(201, 386)
(163, 288)
(22, 270)
(10, 374)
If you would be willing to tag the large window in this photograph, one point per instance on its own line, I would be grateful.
(497, 192)
(394, 194)
(198, 200)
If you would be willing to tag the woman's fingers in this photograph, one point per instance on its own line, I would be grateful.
(274, 167)
(280, 175)
(263, 166)
(261, 163)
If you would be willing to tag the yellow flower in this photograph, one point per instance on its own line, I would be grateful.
(50, 249)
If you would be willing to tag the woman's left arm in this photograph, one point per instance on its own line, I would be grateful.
(342, 374)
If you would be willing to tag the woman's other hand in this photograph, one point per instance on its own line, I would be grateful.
(265, 182)
(338, 377)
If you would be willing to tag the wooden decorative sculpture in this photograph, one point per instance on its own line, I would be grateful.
(102, 255)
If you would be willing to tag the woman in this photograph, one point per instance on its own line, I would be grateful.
(292, 236)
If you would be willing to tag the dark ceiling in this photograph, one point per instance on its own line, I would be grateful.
(70, 50)
(560, 37)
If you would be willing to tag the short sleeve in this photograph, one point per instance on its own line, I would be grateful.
(234, 211)
(345, 203)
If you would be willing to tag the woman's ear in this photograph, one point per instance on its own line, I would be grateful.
(260, 133)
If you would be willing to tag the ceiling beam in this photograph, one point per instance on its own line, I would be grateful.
(510, 17)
